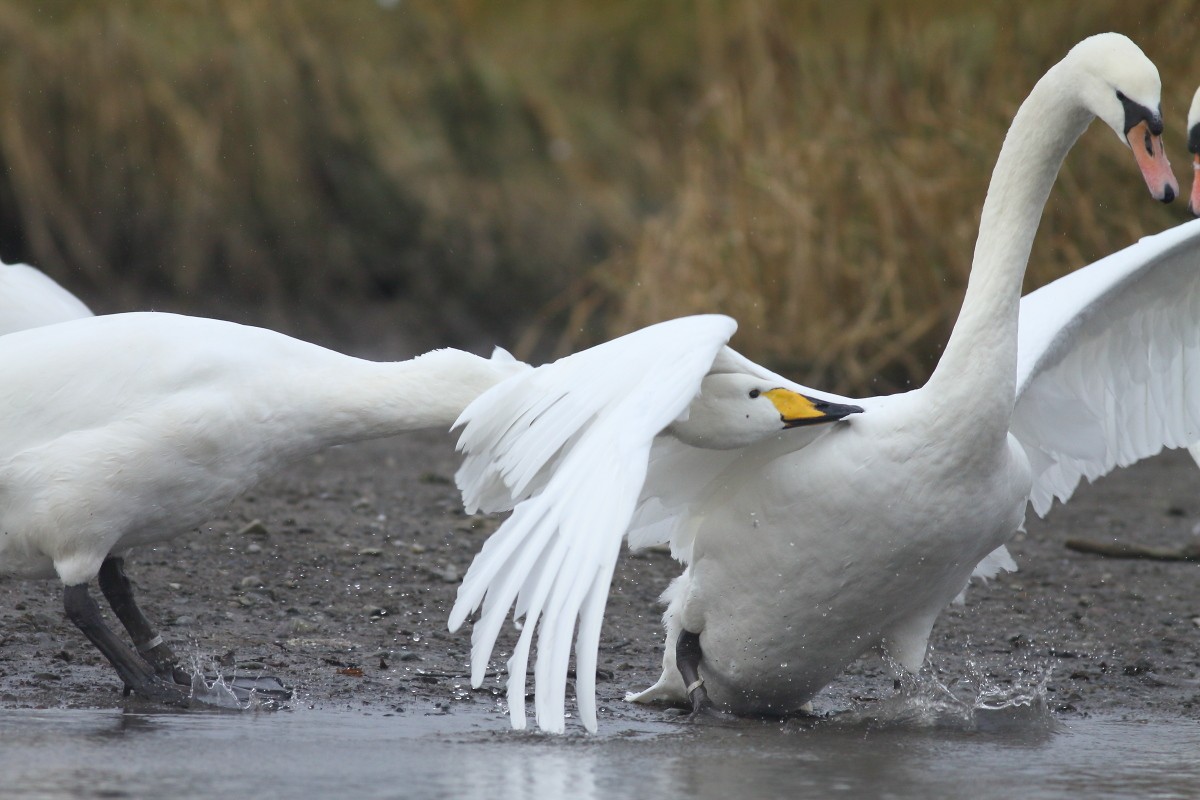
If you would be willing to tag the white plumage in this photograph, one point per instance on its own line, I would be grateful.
(120, 430)
(1108, 367)
(29, 298)
(803, 553)
(600, 410)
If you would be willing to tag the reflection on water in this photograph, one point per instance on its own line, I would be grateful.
(63, 753)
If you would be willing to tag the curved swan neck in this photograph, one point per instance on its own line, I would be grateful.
(979, 363)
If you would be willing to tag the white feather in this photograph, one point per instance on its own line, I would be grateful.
(805, 552)
(30, 299)
(1108, 363)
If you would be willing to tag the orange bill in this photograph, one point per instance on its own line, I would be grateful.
(1194, 202)
(1152, 159)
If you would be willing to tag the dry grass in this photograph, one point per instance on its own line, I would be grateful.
(833, 173)
(573, 169)
(266, 153)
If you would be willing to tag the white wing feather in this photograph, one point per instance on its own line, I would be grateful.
(1108, 364)
(568, 443)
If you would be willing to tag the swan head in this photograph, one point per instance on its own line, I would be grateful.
(1121, 86)
(1193, 139)
(735, 410)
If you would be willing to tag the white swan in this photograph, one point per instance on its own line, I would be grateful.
(29, 298)
(128, 429)
(803, 556)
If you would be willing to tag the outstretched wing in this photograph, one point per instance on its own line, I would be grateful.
(1108, 364)
(568, 443)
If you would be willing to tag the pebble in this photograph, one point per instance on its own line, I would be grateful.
(253, 547)
(251, 581)
(370, 551)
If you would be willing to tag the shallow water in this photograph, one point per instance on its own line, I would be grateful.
(68, 753)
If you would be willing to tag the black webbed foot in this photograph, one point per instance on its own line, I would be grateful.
(687, 659)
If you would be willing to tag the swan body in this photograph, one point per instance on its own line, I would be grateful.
(803, 553)
(179, 414)
(29, 298)
(120, 430)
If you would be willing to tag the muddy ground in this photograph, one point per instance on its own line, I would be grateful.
(343, 589)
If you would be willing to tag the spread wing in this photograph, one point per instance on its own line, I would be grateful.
(1108, 364)
(569, 444)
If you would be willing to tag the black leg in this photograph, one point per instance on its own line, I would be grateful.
(687, 660)
(119, 592)
(136, 673)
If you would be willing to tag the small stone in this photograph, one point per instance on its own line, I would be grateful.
(251, 582)
(375, 611)
(370, 551)
(417, 548)
(253, 548)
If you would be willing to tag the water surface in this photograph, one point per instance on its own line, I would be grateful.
(70, 753)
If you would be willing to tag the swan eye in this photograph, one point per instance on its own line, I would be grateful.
(1136, 113)
(754, 393)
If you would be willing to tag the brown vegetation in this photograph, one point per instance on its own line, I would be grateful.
(572, 169)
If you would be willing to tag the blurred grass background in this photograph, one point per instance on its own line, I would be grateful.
(548, 174)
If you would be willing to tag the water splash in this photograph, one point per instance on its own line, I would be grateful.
(218, 687)
(977, 700)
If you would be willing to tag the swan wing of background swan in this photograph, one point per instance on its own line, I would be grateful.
(1108, 366)
(569, 444)
(30, 299)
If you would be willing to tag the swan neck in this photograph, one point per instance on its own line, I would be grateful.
(384, 399)
(979, 364)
